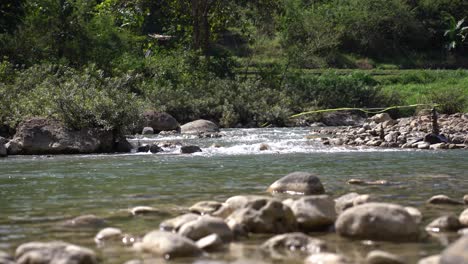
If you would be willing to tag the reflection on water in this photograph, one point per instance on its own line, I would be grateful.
(38, 192)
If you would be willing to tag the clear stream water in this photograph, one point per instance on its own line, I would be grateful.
(37, 193)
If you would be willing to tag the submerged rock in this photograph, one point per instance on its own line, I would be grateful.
(456, 253)
(54, 253)
(315, 212)
(444, 223)
(144, 210)
(205, 207)
(382, 257)
(109, 233)
(298, 183)
(190, 149)
(443, 199)
(154, 148)
(199, 126)
(204, 226)
(363, 182)
(377, 221)
(167, 245)
(292, 243)
(85, 221)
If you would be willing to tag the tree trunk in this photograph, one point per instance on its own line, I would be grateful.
(201, 24)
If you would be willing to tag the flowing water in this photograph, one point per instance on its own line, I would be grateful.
(37, 193)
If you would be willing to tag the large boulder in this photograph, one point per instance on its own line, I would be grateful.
(456, 253)
(298, 183)
(204, 226)
(288, 244)
(167, 245)
(199, 127)
(160, 121)
(377, 221)
(263, 215)
(54, 253)
(47, 136)
(314, 212)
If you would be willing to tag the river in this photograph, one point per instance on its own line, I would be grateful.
(39, 192)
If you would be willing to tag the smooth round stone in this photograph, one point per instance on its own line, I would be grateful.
(199, 126)
(144, 210)
(154, 148)
(147, 131)
(444, 224)
(443, 199)
(465, 199)
(205, 207)
(315, 212)
(264, 146)
(415, 213)
(290, 244)
(298, 183)
(210, 242)
(54, 252)
(382, 257)
(6, 258)
(326, 258)
(190, 149)
(204, 226)
(456, 253)
(167, 245)
(464, 218)
(175, 223)
(434, 259)
(109, 233)
(377, 221)
(344, 202)
(85, 221)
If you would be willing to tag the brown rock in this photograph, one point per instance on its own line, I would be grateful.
(297, 183)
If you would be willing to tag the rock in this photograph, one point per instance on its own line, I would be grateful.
(109, 233)
(444, 223)
(415, 213)
(292, 243)
(234, 203)
(13, 147)
(434, 139)
(45, 136)
(264, 146)
(6, 258)
(167, 245)
(144, 210)
(154, 148)
(204, 226)
(143, 148)
(160, 121)
(380, 118)
(315, 212)
(362, 182)
(344, 202)
(190, 149)
(205, 207)
(382, 257)
(362, 199)
(342, 119)
(85, 221)
(54, 253)
(3, 151)
(199, 126)
(263, 215)
(439, 146)
(456, 253)
(147, 131)
(464, 218)
(434, 259)
(377, 221)
(463, 231)
(210, 242)
(443, 199)
(174, 224)
(423, 145)
(297, 183)
(134, 261)
(392, 136)
(326, 258)
(465, 199)
(389, 123)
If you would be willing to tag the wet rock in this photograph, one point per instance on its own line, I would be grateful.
(439, 146)
(234, 203)
(264, 146)
(160, 121)
(316, 212)
(199, 126)
(3, 150)
(434, 259)
(174, 224)
(465, 199)
(423, 145)
(380, 118)
(326, 258)
(415, 213)
(85, 221)
(167, 245)
(144, 210)
(154, 148)
(143, 148)
(263, 215)
(204, 226)
(382, 257)
(109, 233)
(344, 202)
(444, 224)
(190, 149)
(456, 253)
(363, 182)
(205, 207)
(6, 258)
(463, 231)
(298, 183)
(443, 199)
(54, 253)
(377, 221)
(147, 131)
(464, 218)
(210, 242)
(291, 243)
(362, 199)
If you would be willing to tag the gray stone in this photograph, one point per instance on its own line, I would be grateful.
(204, 226)
(85, 221)
(326, 258)
(175, 223)
(54, 253)
(190, 149)
(415, 213)
(316, 212)
(6, 258)
(263, 215)
(434, 259)
(144, 210)
(154, 148)
(144, 148)
(344, 202)
(160, 121)
(289, 244)
(234, 203)
(444, 223)
(443, 199)
(463, 231)
(199, 126)
(380, 118)
(298, 183)
(456, 253)
(210, 242)
(464, 218)
(382, 257)
(109, 233)
(147, 131)
(205, 207)
(465, 199)
(3, 151)
(167, 245)
(264, 146)
(377, 221)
